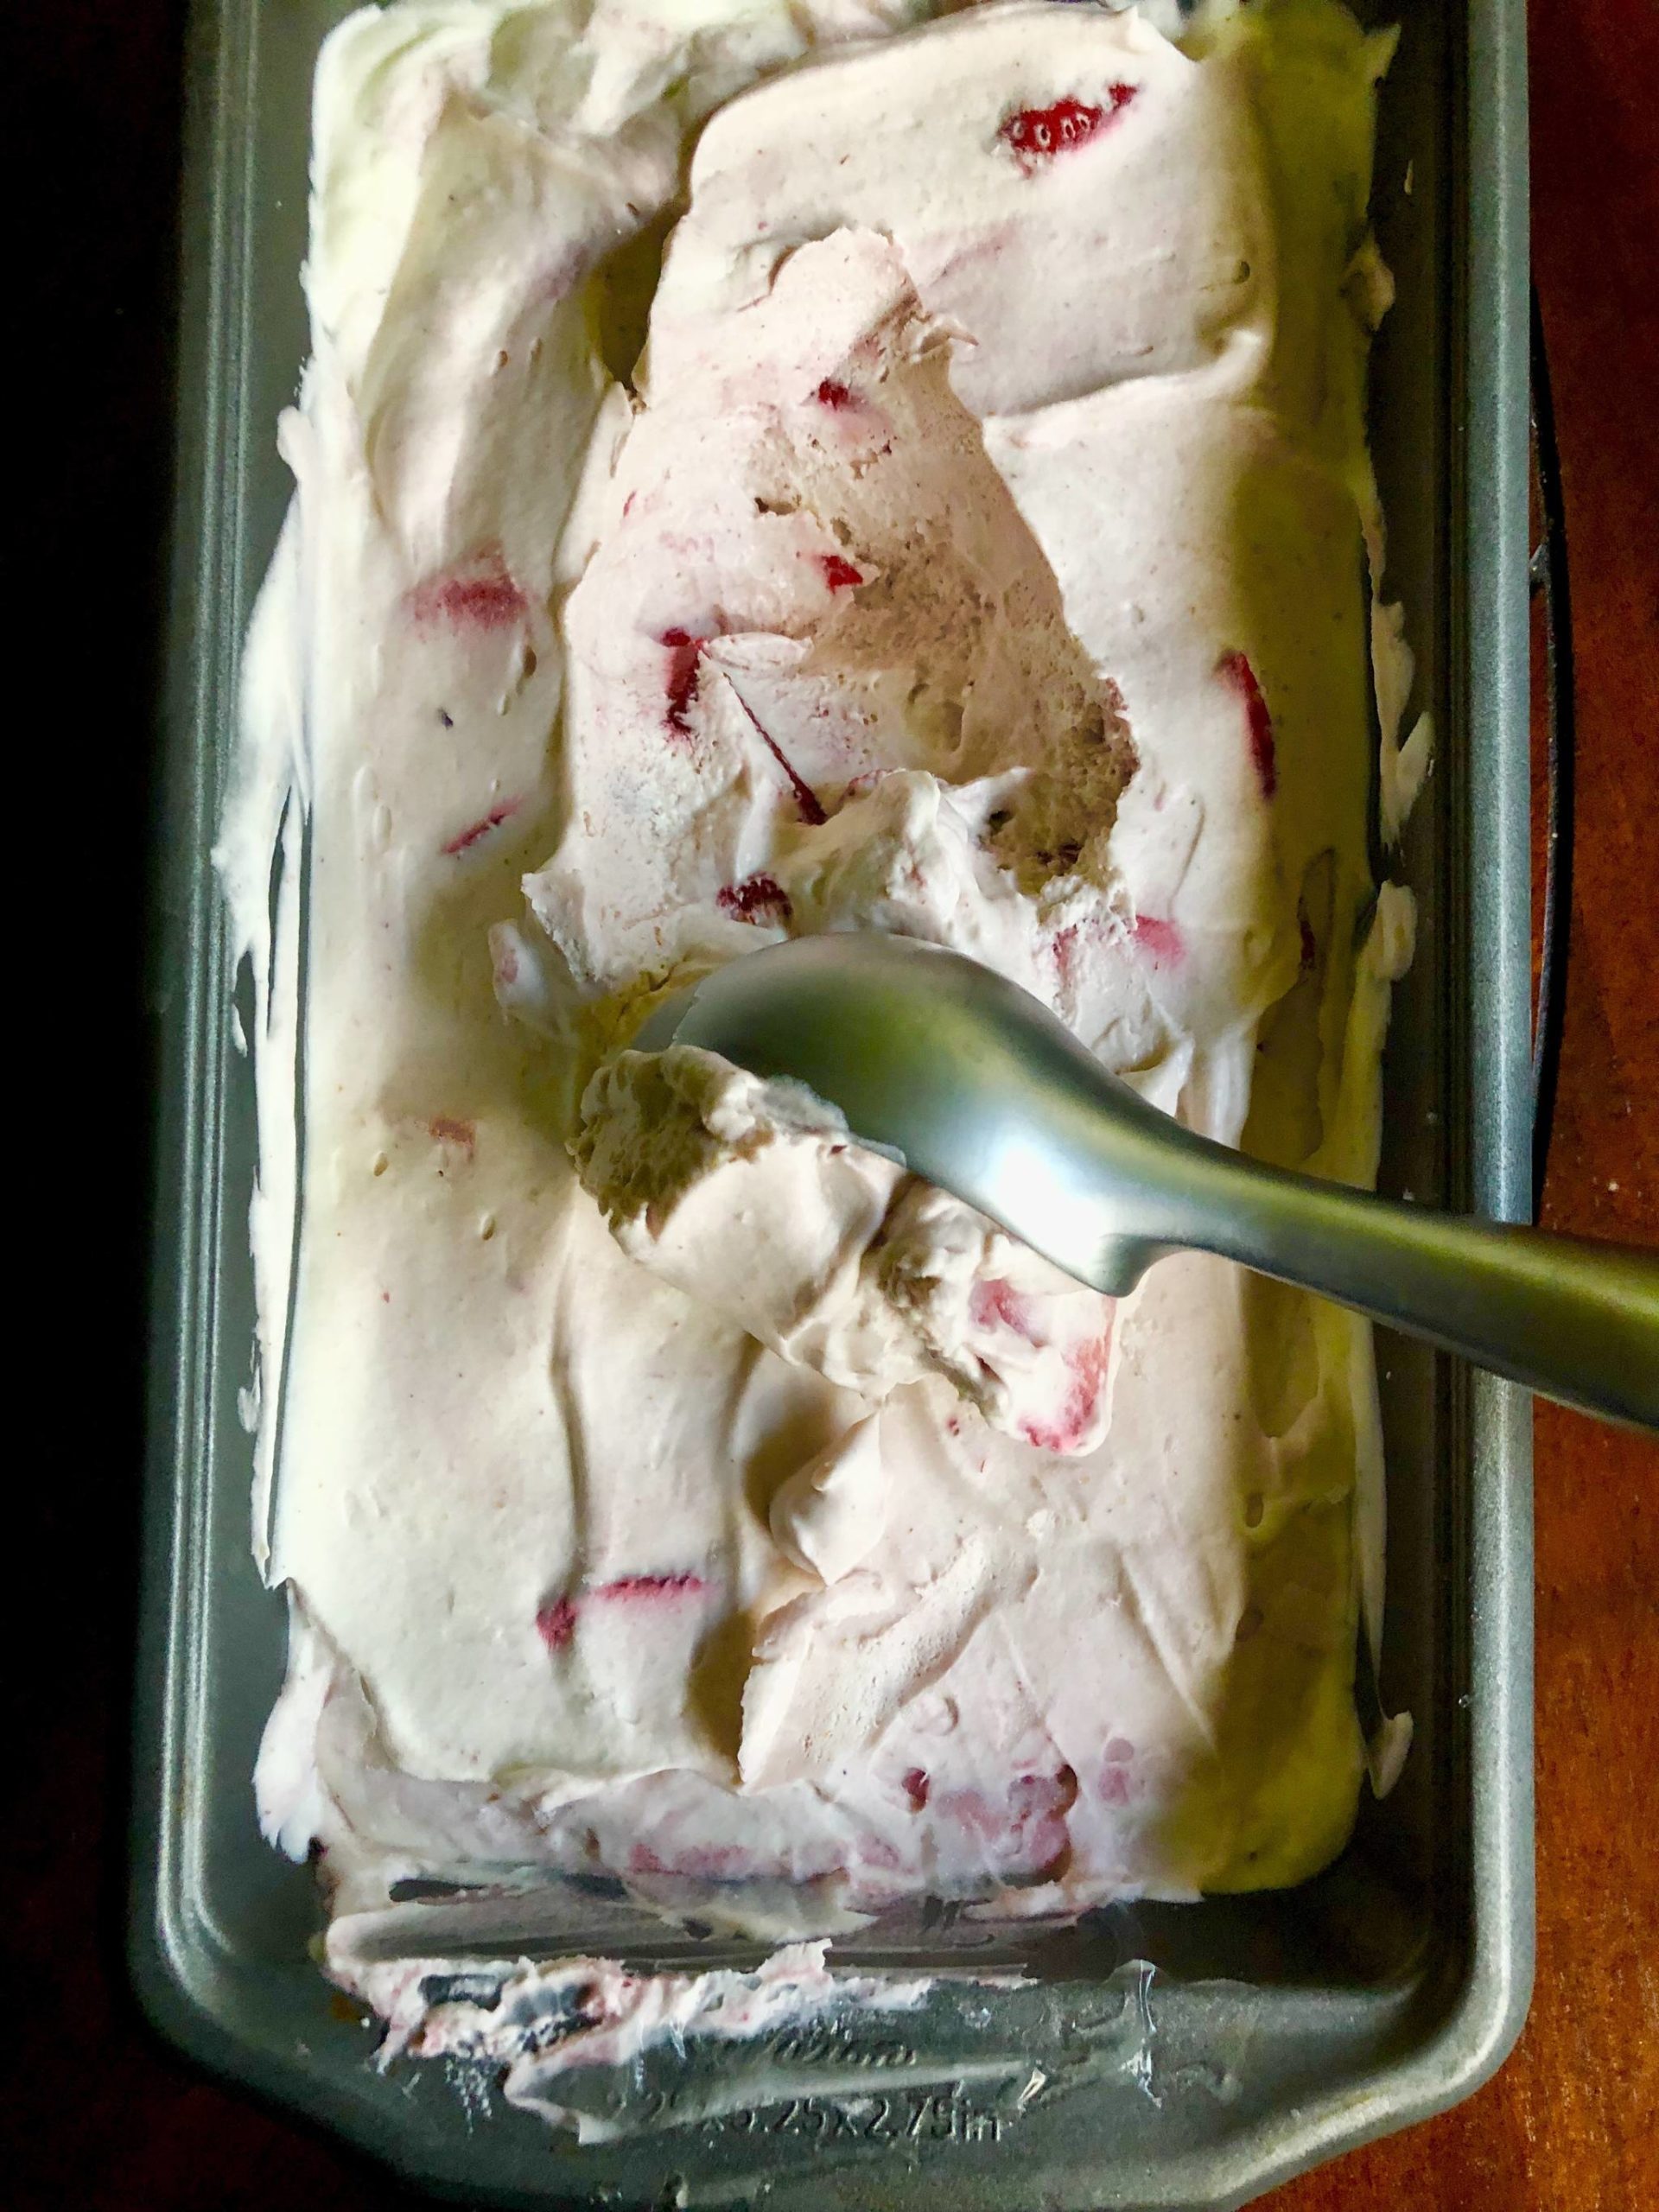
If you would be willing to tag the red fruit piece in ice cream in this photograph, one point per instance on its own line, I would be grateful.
(1067, 943)
(1160, 940)
(680, 682)
(834, 395)
(1034, 135)
(649, 1588)
(996, 1302)
(915, 1784)
(1235, 668)
(1039, 1803)
(694, 1862)
(1310, 945)
(556, 1623)
(465, 839)
(758, 898)
(840, 575)
(806, 799)
(1117, 1782)
(1087, 1363)
(1024, 1833)
(479, 594)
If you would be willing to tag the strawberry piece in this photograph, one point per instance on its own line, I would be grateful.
(684, 651)
(1034, 135)
(556, 1623)
(695, 1862)
(1025, 1833)
(1234, 668)
(480, 595)
(1117, 1782)
(651, 1588)
(806, 799)
(465, 839)
(997, 1302)
(839, 575)
(1088, 1363)
(758, 898)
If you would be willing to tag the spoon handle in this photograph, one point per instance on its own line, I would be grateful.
(1573, 1319)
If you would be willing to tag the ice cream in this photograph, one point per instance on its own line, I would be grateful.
(748, 1195)
(666, 1486)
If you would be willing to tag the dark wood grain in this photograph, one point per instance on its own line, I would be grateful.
(94, 2114)
(1571, 2124)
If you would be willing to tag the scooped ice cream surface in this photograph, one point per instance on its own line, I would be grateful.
(975, 554)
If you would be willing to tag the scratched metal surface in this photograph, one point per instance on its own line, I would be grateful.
(1172, 2056)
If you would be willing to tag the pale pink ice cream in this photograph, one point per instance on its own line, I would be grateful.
(668, 1486)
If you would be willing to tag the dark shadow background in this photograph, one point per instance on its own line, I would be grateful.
(95, 2113)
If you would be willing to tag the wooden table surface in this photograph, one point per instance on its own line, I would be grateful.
(94, 2114)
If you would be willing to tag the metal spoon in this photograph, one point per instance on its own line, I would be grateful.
(985, 1093)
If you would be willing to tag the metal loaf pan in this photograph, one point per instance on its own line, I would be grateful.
(1171, 2055)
